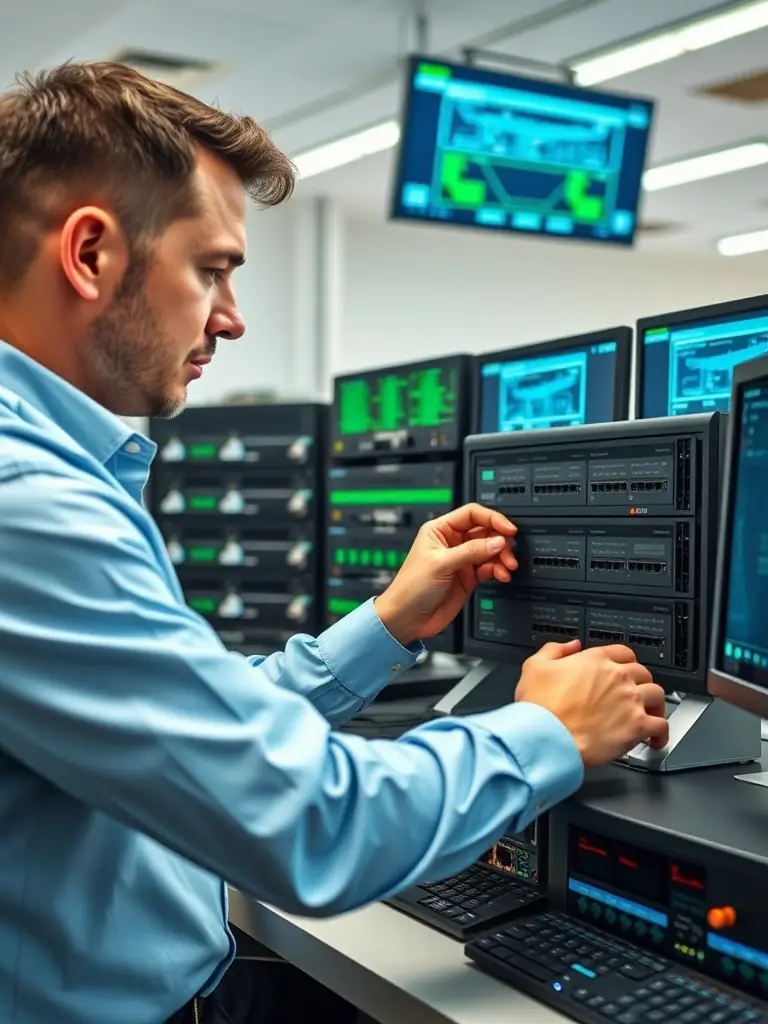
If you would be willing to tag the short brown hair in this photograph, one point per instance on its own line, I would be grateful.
(105, 127)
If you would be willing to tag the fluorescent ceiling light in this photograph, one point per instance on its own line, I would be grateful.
(742, 245)
(347, 150)
(707, 165)
(695, 34)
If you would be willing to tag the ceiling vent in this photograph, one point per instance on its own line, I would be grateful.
(181, 72)
(747, 89)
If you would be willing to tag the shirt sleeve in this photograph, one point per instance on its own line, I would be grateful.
(121, 696)
(345, 668)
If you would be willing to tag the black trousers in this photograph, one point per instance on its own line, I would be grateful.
(268, 992)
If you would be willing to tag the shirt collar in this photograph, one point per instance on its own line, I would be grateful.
(94, 428)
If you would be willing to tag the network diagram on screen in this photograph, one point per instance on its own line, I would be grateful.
(543, 392)
(527, 156)
(700, 361)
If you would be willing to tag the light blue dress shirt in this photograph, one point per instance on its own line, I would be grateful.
(141, 763)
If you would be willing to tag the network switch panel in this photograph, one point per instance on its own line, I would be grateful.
(652, 554)
(617, 526)
(658, 476)
(276, 553)
(660, 632)
(268, 436)
(267, 495)
(244, 610)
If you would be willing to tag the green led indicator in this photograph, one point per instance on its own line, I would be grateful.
(204, 605)
(203, 451)
(417, 496)
(486, 605)
(378, 559)
(434, 70)
(426, 398)
(354, 557)
(342, 606)
(203, 502)
(203, 554)
(488, 474)
(365, 558)
(341, 556)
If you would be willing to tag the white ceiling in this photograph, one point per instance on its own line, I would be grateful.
(317, 69)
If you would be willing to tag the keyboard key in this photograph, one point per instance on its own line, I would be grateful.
(629, 1017)
(466, 918)
(596, 1002)
(635, 971)
(581, 994)
(656, 1017)
(610, 1010)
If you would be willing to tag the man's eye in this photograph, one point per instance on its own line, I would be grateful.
(213, 274)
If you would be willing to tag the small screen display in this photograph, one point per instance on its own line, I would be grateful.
(518, 854)
(661, 903)
(744, 651)
(401, 409)
(688, 367)
(485, 149)
(557, 388)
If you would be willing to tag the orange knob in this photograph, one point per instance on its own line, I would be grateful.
(721, 917)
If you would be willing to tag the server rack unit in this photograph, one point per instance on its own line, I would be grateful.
(238, 494)
(396, 435)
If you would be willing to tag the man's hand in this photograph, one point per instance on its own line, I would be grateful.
(449, 558)
(604, 698)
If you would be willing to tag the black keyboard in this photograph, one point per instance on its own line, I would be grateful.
(473, 901)
(596, 979)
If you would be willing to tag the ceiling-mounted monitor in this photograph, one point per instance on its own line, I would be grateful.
(482, 148)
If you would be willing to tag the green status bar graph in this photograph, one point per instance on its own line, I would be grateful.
(425, 398)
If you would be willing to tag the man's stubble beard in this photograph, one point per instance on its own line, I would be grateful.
(126, 352)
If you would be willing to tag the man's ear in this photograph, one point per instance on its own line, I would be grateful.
(93, 252)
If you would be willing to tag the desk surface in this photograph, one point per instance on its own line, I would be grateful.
(393, 968)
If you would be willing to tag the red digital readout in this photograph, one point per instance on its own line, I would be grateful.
(587, 846)
(686, 878)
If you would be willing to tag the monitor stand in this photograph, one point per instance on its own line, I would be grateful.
(485, 687)
(703, 732)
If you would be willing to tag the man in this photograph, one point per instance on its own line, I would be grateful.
(140, 762)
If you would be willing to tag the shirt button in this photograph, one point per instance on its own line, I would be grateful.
(133, 448)
(397, 668)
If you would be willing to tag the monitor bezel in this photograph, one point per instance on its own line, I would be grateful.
(738, 692)
(682, 316)
(621, 335)
(405, 111)
(466, 381)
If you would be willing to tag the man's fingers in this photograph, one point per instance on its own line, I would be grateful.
(470, 516)
(656, 732)
(653, 698)
(553, 651)
(616, 652)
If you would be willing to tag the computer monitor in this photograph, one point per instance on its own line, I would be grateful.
(487, 149)
(739, 658)
(409, 409)
(685, 360)
(563, 383)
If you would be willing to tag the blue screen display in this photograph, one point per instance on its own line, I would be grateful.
(745, 645)
(563, 388)
(688, 368)
(485, 149)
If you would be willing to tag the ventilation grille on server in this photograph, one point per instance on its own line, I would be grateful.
(682, 643)
(683, 475)
(682, 557)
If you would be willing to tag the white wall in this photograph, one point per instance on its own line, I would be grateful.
(417, 292)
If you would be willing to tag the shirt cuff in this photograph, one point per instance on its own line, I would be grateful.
(363, 655)
(543, 748)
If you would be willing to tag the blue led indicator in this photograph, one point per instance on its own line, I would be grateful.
(556, 985)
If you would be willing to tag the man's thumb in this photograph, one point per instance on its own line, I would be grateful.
(473, 552)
